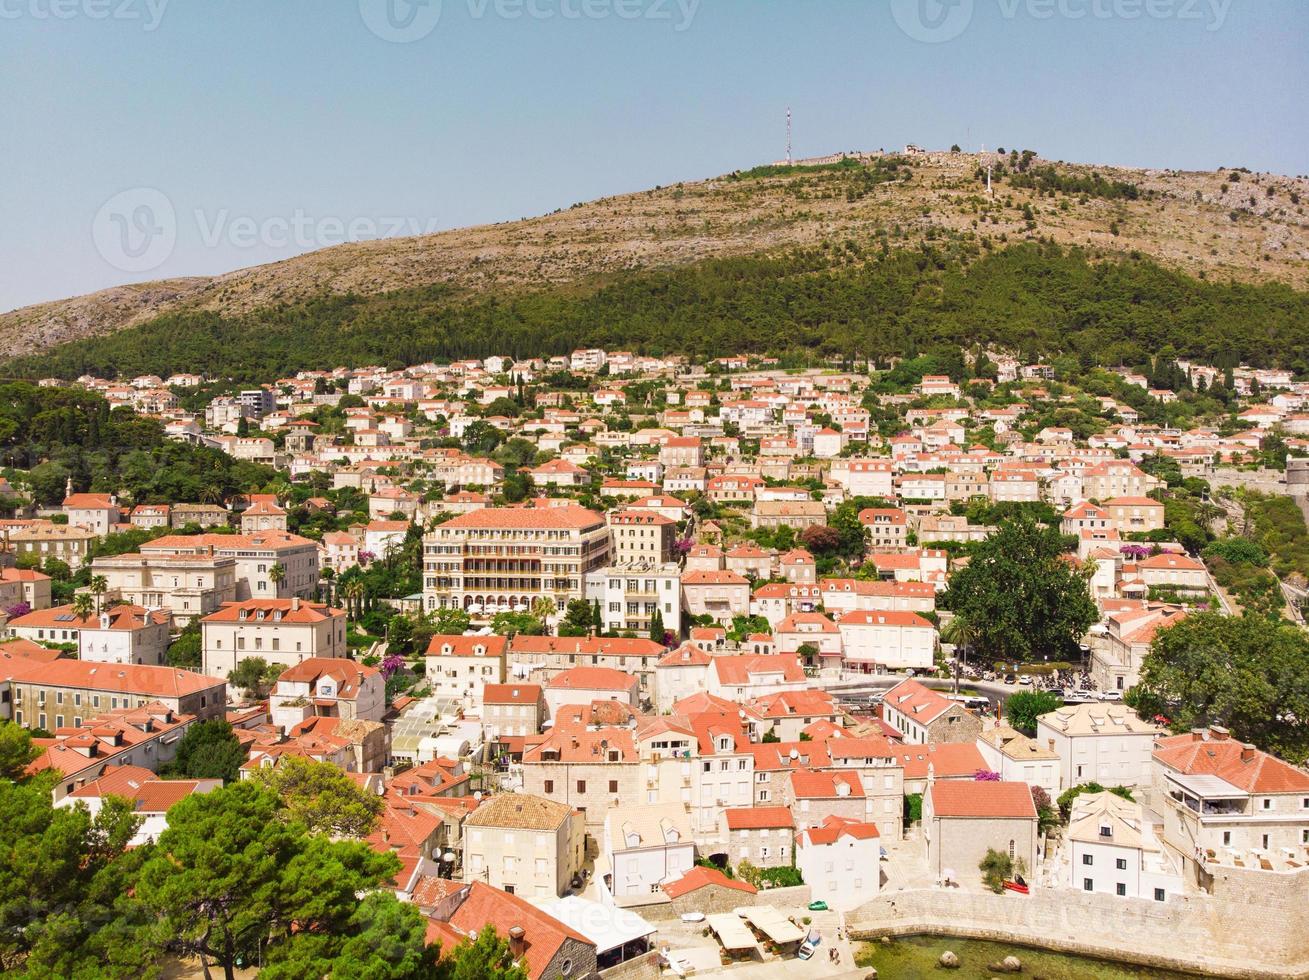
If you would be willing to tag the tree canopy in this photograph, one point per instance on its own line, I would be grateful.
(321, 796)
(1248, 673)
(1021, 595)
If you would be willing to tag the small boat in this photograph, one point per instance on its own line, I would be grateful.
(1017, 886)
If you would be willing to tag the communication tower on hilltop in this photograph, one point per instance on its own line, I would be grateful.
(788, 136)
(987, 160)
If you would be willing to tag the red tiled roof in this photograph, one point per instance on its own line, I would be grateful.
(834, 828)
(290, 610)
(511, 693)
(566, 517)
(592, 679)
(701, 877)
(808, 784)
(1248, 768)
(982, 799)
(949, 760)
(487, 906)
(757, 817)
(466, 646)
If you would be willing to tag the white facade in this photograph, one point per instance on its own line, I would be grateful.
(629, 594)
(889, 640)
(1112, 849)
(844, 872)
(1105, 744)
(647, 846)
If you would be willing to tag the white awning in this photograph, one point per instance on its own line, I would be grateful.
(731, 931)
(608, 926)
(773, 924)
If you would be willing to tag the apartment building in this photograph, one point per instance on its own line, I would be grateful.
(587, 769)
(584, 685)
(24, 586)
(187, 585)
(922, 715)
(642, 536)
(59, 693)
(503, 558)
(327, 687)
(1020, 759)
(888, 527)
(630, 594)
(281, 631)
(125, 635)
(97, 512)
(876, 641)
(841, 860)
(146, 736)
(762, 835)
(722, 595)
(122, 634)
(40, 541)
(1102, 743)
(646, 846)
(512, 712)
(461, 667)
(256, 555)
(1225, 801)
(1115, 847)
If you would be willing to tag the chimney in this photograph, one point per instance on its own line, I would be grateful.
(1218, 733)
(295, 603)
(516, 937)
(1247, 752)
(1050, 743)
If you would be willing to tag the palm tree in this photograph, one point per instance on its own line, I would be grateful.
(277, 575)
(354, 595)
(99, 586)
(543, 607)
(83, 606)
(962, 634)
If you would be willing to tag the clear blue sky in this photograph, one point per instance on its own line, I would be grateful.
(248, 115)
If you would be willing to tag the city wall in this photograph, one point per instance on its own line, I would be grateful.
(1255, 925)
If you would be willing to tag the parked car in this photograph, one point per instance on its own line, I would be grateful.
(818, 906)
(1111, 695)
(1026, 679)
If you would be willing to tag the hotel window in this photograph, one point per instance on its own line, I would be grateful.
(1087, 859)
(1088, 885)
(1121, 864)
(1158, 894)
(1120, 888)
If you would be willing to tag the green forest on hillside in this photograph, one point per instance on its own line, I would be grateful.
(60, 434)
(843, 299)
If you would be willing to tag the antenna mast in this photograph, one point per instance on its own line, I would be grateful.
(788, 136)
(987, 157)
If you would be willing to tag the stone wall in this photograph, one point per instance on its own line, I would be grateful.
(797, 896)
(644, 967)
(1253, 927)
(1265, 481)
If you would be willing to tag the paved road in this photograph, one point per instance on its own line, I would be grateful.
(995, 690)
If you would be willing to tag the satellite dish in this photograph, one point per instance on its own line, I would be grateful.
(478, 796)
(795, 754)
(448, 857)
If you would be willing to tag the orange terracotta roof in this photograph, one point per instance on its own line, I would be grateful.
(982, 799)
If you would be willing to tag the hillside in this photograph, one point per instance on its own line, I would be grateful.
(1223, 226)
